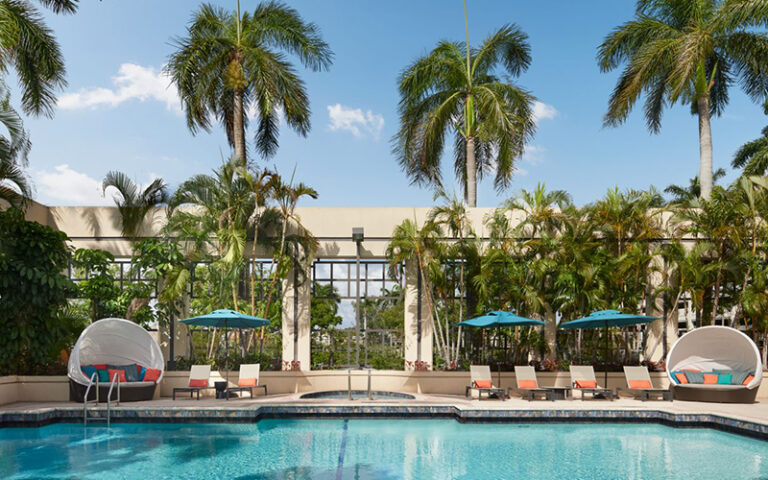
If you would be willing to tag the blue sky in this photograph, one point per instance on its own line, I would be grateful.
(119, 113)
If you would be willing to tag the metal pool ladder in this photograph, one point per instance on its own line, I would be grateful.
(94, 381)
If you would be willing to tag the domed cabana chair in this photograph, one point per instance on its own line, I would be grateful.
(715, 364)
(110, 345)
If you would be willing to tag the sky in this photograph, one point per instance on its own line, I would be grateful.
(120, 112)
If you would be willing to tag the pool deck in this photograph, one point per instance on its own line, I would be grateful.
(749, 419)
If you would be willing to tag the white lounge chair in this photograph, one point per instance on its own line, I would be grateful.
(198, 380)
(482, 382)
(528, 385)
(639, 381)
(247, 380)
(583, 379)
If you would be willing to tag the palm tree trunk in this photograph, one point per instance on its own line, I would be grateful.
(705, 148)
(238, 128)
(471, 187)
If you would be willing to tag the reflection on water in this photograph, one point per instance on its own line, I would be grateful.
(377, 449)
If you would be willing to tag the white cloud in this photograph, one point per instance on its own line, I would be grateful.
(64, 186)
(542, 111)
(355, 121)
(132, 82)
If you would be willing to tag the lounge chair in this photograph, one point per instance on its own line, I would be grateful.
(583, 379)
(639, 381)
(247, 380)
(528, 384)
(198, 380)
(483, 383)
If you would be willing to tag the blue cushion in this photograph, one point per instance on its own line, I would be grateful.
(103, 376)
(737, 378)
(89, 370)
(694, 377)
(724, 379)
(143, 371)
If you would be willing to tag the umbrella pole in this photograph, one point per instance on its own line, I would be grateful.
(605, 366)
(498, 330)
(226, 361)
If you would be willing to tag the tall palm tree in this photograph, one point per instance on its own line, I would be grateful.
(132, 203)
(28, 46)
(231, 63)
(687, 51)
(466, 91)
(753, 156)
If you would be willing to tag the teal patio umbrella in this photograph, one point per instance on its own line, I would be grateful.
(226, 319)
(498, 319)
(605, 319)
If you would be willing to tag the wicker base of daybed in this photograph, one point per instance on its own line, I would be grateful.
(714, 394)
(128, 392)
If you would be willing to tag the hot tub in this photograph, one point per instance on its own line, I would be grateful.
(359, 394)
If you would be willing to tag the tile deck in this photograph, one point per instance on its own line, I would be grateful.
(749, 420)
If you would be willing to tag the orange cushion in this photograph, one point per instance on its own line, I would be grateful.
(710, 378)
(246, 382)
(681, 378)
(483, 384)
(527, 384)
(586, 384)
(639, 384)
(748, 379)
(198, 383)
(152, 375)
(120, 374)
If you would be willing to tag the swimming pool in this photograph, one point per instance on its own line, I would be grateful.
(378, 449)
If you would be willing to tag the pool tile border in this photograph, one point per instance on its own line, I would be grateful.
(45, 416)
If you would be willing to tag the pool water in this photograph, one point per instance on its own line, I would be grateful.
(378, 449)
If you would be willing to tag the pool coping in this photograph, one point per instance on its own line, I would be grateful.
(45, 416)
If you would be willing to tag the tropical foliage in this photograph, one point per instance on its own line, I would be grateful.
(464, 92)
(133, 204)
(230, 64)
(689, 52)
(33, 296)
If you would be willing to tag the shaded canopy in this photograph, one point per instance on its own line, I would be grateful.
(226, 319)
(114, 341)
(607, 318)
(500, 318)
(714, 348)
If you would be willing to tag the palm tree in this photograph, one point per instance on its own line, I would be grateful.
(682, 195)
(542, 210)
(231, 63)
(28, 46)
(14, 186)
(753, 156)
(452, 91)
(687, 51)
(409, 243)
(132, 203)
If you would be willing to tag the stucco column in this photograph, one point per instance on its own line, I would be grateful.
(296, 317)
(656, 346)
(417, 338)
